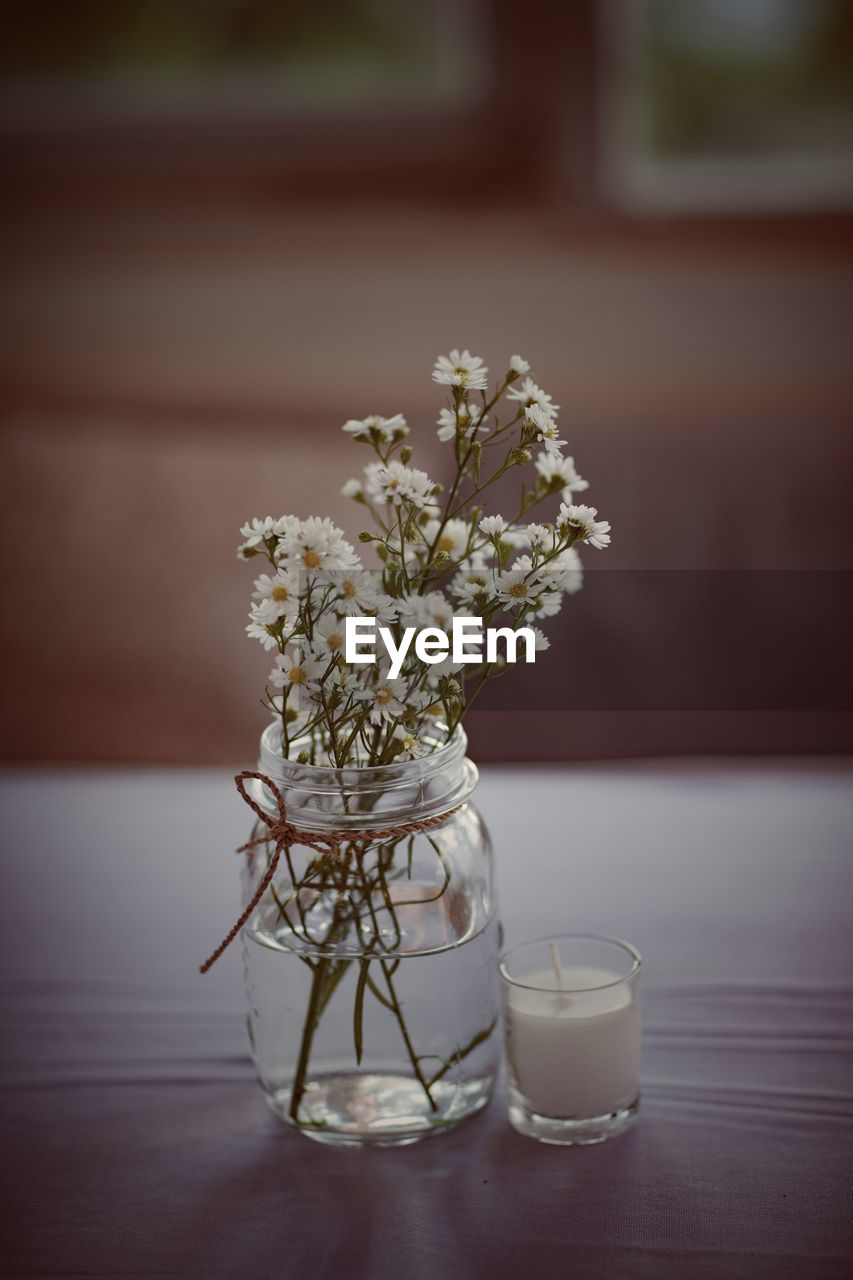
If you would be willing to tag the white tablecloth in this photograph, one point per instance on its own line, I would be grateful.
(138, 1144)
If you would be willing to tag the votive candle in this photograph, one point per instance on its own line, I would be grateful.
(572, 1023)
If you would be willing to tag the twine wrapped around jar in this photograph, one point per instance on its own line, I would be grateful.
(284, 834)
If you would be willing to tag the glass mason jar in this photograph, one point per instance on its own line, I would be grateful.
(372, 974)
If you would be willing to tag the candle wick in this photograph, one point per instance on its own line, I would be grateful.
(558, 968)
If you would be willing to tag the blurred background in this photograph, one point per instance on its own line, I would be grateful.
(229, 225)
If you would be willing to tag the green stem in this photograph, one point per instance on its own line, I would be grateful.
(327, 973)
(410, 1048)
(480, 1038)
(312, 1016)
(358, 1008)
(323, 985)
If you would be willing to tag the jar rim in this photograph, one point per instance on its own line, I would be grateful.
(455, 745)
(358, 797)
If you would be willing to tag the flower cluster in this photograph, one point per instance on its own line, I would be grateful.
(440, 555)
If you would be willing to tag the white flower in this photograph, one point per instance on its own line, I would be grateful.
(469, 583)
(517, 586)
(439, 610)
(514, 538)
(537, 536)
(461, 369)
(262, 618)
(295, 724)
(529, 394)
(317, 543)
(595, 532)
(548, 604)
(258, 531)
(559, 471)
(385, 699)
(492, 526)
(548, 598)
(446, 424)
(574, 482)
(359, 593)
(245, 551)
(420, 699)
(281, 591)
(565, 571)
(469, 421)
(454, 537)
(343, 680)
(371, 480)
(397, 483)
(296, 669)
(412, 745)
(547, 431)
(436, 671)
(541, 641)
(522, 564)
(352, 489)
(329, 634)
(432, 706)
(430, 610)
(386, 429)
(518, 365)
(258, 631)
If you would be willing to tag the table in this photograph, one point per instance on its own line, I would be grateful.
(138, 1144)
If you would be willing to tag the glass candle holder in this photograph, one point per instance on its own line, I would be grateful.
(572, 1024)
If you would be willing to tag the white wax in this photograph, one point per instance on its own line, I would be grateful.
(574, 1055)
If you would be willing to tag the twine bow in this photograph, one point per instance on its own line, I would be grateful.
(284, 834)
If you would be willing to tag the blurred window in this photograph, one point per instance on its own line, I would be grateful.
(281, 57)
(728, 104)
